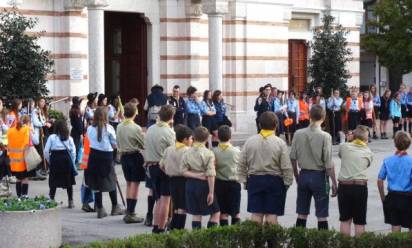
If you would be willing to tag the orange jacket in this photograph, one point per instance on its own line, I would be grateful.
(18, 141)
(86, 152)
(304, 110)
(348, 102)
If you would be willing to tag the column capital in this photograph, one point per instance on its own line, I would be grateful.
(74, 4)
(215, 7)
(193, 8)
(96, 4)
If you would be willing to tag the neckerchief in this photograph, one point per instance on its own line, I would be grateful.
(224, 145)
(198, 145)
(266, 133)
(179, 145)
(162, 124)
(359, 142)
(401, 153)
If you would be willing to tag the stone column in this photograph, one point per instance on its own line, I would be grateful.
(96, 44)
(215, 9)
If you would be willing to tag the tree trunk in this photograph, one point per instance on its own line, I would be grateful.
(395, 78)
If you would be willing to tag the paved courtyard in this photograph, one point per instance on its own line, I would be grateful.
(80, 227)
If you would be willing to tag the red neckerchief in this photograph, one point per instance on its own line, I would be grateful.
(401, 153)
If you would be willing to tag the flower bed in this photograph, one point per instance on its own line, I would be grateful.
(29, 223)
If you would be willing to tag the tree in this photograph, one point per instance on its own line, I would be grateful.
(327, 66)
(392, 42)
(24, 65)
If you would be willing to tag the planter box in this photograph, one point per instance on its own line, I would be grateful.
(40, 229)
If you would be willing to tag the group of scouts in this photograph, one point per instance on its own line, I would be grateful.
(188, 174)
(367, 108)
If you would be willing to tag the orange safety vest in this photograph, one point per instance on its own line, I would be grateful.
(18, 141)
(86, 152)
(348, 102)
(304, 110)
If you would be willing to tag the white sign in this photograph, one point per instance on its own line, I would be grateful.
(76, 74)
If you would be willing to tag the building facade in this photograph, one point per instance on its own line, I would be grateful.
(236, 46)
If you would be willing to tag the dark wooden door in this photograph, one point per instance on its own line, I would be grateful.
(126, 56)
(297, 65)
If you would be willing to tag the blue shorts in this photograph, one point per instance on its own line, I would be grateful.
(160, 182)
(266, 195)
(313, 183)
(196, 198)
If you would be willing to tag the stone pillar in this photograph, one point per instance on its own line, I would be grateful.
(215, 9)
(96, 44)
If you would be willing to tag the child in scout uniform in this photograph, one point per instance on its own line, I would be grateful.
(159, 137)
(397, 171)
(200, 192)
(129, 144)
(227, 185)
(312, 151)
(356, 157)
(171, 163)
(265, 167)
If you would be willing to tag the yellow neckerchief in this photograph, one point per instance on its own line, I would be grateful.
(198, 145)
(162, 124)
(128, 121)
(266, 133)
(179, 145)
(359, 142)
(224, 145)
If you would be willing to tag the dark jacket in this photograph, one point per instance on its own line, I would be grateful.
(180, 106)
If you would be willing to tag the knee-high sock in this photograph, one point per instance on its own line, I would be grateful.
(18, 189)
(98, 199)
(70, 193)
(52, 193)
(24, 189)
(113, 197)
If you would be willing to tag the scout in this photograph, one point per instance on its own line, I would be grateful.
(397, 170)
(200, 192)
(129, 144)
(159, 137)
(227, 185)
(265, 167)
(356, 157)
(171, 163)
(312, 151)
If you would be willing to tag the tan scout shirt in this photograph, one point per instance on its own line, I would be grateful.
(227, 158)
(158, 137)
(355, 160)
(312, 148)
(172, 160)
(130, 137)
(199, 159)
(265, 156)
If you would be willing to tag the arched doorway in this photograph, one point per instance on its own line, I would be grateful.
(126, 56)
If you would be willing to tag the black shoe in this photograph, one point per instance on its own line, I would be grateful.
(148, 221)
(375, 136)
(86, 208)
(71, 204)
(38, 177)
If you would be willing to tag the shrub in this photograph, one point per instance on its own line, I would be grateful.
(56, 115)
(251, 235)
(26, 204)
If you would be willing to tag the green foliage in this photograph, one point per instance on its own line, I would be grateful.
(26, 204)
(56, 115)
(393, 41)
(24, 65)
(327, 65)
(251, 235)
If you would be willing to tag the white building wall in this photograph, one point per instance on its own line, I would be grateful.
(255, 44)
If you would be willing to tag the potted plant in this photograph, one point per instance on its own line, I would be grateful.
(30, 222)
